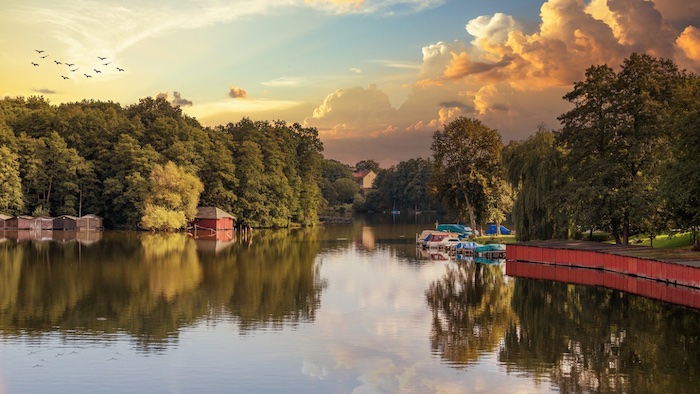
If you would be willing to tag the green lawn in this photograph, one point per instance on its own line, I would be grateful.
(678, 240)
(490, 239)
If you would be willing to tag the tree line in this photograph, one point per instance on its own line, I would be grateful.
(625, 161)
(148, 165)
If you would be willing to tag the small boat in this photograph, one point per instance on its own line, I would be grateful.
(440, 239)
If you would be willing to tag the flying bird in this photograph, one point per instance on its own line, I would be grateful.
(73, 70)
(34, 64)
(101, 58)
(97, 71)
(70, 64)
(120, 69)
(57, 62)
(45, 56)
(104, 64)
(64, 77)
(87, 75)
(39, 50)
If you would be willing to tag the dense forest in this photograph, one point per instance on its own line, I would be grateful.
(149, 165)
(625, 161)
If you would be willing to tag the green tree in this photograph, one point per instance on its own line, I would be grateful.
(367, 165)
(534, 172)
(614, 140)
(173, 198)
(467, 167)
(11, 200)
(126, 188)
(346, 189)
(250, 168)
(681, 183)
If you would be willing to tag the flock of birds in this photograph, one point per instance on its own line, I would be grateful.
(70, 65)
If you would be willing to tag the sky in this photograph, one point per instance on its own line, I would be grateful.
(376, 78)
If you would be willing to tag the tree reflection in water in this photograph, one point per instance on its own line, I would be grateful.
(583, 339)
(151, 285)
(588, 339)
(471, 311)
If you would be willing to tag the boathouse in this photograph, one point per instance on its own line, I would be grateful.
(3, 220)
(19, 222)
(89, 222)
(212, 218)
(65, 222)
(41, 223)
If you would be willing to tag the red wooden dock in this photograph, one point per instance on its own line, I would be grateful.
(680, 295)
(680, 267)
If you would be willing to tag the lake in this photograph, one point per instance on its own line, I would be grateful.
(346, 308)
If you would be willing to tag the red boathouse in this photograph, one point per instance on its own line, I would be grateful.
(212, 218)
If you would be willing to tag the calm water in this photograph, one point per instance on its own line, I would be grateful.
(341, 309)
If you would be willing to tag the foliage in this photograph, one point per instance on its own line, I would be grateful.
(10, 182)
(467, 168)
(367, 165)
(614, 140)
(346, 189)
(172, 199)
(681, 184)
(533, 170)
(96, 157)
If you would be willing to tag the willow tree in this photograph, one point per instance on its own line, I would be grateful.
(172, 199)
(467, 160)
(533, 170)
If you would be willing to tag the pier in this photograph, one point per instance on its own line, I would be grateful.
(672, 266)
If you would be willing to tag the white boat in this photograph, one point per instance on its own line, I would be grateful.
(440, 239)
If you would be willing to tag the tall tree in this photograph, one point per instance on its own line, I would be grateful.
(681, 184)
(533, 170)
(467, 166)
(614, 140)
(11, 200)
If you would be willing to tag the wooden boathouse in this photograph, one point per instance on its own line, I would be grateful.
(213, 218)
(675, 266)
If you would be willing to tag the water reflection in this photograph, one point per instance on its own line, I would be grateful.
(592, 339)
(152, 285)
(333, 309)
(581, 338)
(471, 311)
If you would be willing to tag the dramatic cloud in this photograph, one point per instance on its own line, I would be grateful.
(179, 101)
(235, 92)
(689, 43)
(510, 79)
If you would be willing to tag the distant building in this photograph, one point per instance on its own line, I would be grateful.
(89, 222)
(3, 220)
(41, 223)
(65, 222)
(212, 218)
(365, 179)
(19, 222)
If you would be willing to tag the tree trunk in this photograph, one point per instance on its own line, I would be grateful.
(626, 229)
(470, 210)
(615, 231)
